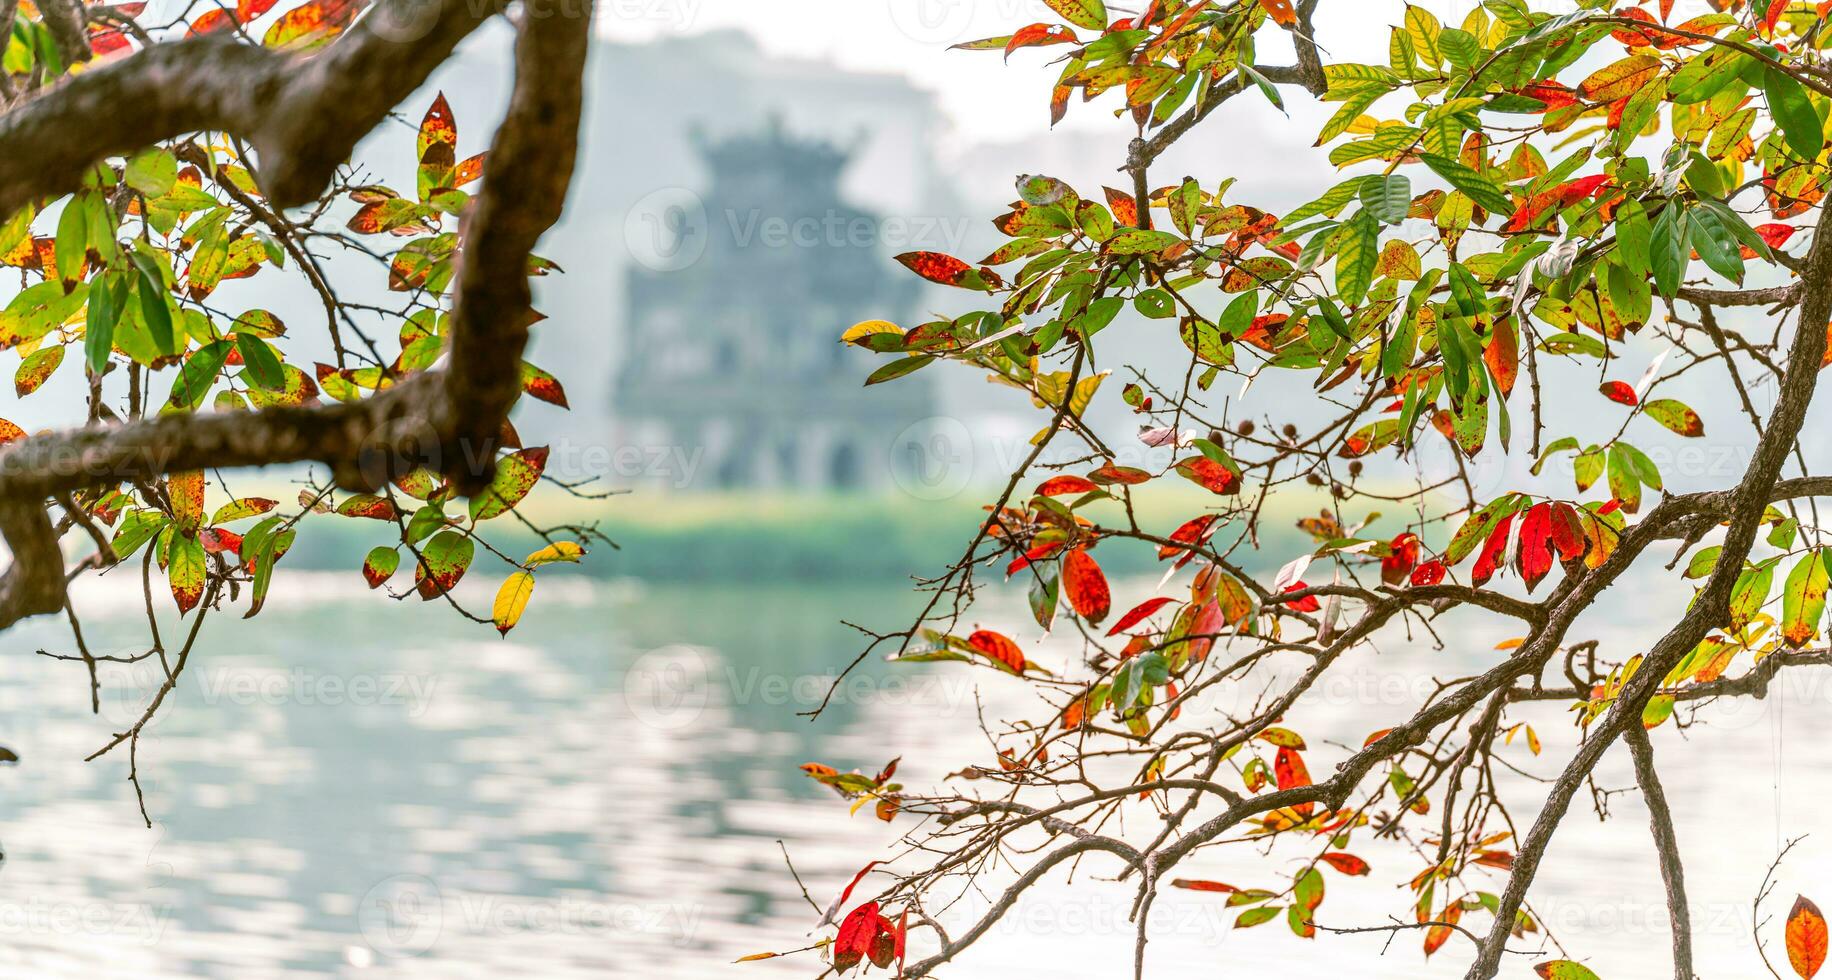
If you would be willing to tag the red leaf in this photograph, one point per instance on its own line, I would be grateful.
(999, 647)
(1554, 95)
(1138, 614)
(1348, 864)
(216, 541)
(1492, 549)
(1086, 586)
(854, 941)
(1210, 475)
(1307, 604)
(1024, 560)
(1534, 559)
(1776, 235)
(1114, 473)
(1289, 770)
(1404, 557)
(947, 270)
(1571, 192)
(1192, 532)
(1620, 392)
(1057, 486)
(1430, 573)
(1773, 17)
(212, 21)
(1199, 885)
(1568, 532)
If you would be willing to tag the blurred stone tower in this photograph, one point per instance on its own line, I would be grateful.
(732, 355)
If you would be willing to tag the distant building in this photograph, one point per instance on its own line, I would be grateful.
(734, 307)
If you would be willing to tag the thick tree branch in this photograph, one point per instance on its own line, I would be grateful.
(303, 114)
(444, 420)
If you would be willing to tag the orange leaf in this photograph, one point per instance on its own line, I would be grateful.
(1281, 12)
(1806, 938)
(1000, 648)
(1057, 486)
(1125, 209)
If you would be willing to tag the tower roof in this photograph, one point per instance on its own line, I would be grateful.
(772, 153)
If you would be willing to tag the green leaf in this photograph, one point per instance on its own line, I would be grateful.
(1671, 252)
(1803, 600)
(186, 571)
(1703, 562)
(1565, 970)
(1139, 241)
(1091, 14)
(106, 295)
(1794, 113)
(154, 310)
(1750, 593)
(380, 564)
(1479, 188)
(72, 239)
(1716, 244)
(1358, 252)
(137, 528)
(1388, 197)
(898, 368)
(1634, 238)
(444, 560)
(1675, 415)
(1623, 484)
(261, 364)
(196, 376)
(516, 474)
(1258, 916)
(152, 172)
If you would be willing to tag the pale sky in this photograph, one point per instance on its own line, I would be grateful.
(986, 100)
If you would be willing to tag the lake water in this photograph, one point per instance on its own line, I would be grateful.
(350, 786)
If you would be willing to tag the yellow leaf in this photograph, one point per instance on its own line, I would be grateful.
(558, 551)
(860, 330)
(511, 599)
(186, 491)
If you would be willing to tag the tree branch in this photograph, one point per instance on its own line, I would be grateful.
(445, 420)
(1667, 845)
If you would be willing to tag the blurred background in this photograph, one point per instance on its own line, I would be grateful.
(355, 786)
